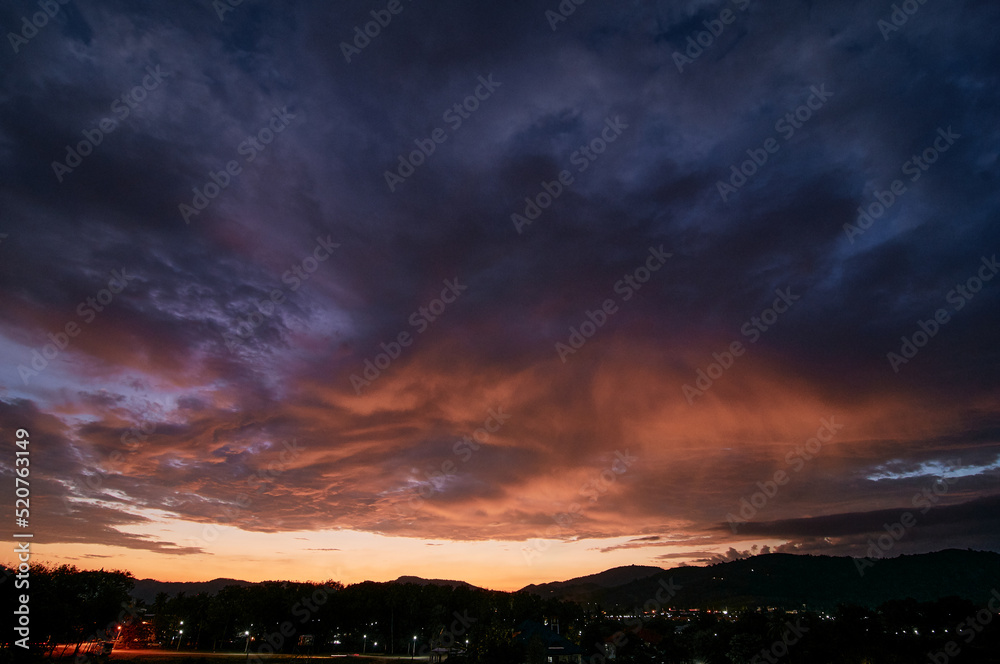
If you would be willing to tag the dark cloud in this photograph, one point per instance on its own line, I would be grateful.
(924, 509)
(237, 333)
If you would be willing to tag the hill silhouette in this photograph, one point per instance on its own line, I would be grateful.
(148, 589)
(593, 583)
(792, 581)
(780, 580)
(433, 582)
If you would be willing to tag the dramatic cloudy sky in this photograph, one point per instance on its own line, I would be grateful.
(213, 416)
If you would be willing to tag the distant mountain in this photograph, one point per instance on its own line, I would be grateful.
(777, 579)
(433, 582)
(148, 589)
(793, 581)
(583, 588)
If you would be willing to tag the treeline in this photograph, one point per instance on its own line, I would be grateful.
(67, 605)
(368, 616)
(70, 606)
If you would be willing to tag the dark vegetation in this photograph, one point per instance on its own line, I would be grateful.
(778, 608)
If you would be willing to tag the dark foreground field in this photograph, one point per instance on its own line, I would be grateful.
(168, 657)
(162, 656)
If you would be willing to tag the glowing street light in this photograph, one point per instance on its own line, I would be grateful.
(414, 651)
(364, 644)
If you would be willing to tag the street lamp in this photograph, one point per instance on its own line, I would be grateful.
(364, 644)
(180, 635)
(414, 651)
(246, 633)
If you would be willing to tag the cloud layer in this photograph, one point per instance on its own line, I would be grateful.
(222, 310)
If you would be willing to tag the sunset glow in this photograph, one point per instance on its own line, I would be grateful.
(307, 312)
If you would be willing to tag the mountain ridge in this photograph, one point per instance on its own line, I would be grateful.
(420, 581)
(792, 581)
(614, 576)
(781, 580)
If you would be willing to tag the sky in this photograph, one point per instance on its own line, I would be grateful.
(499, 292)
